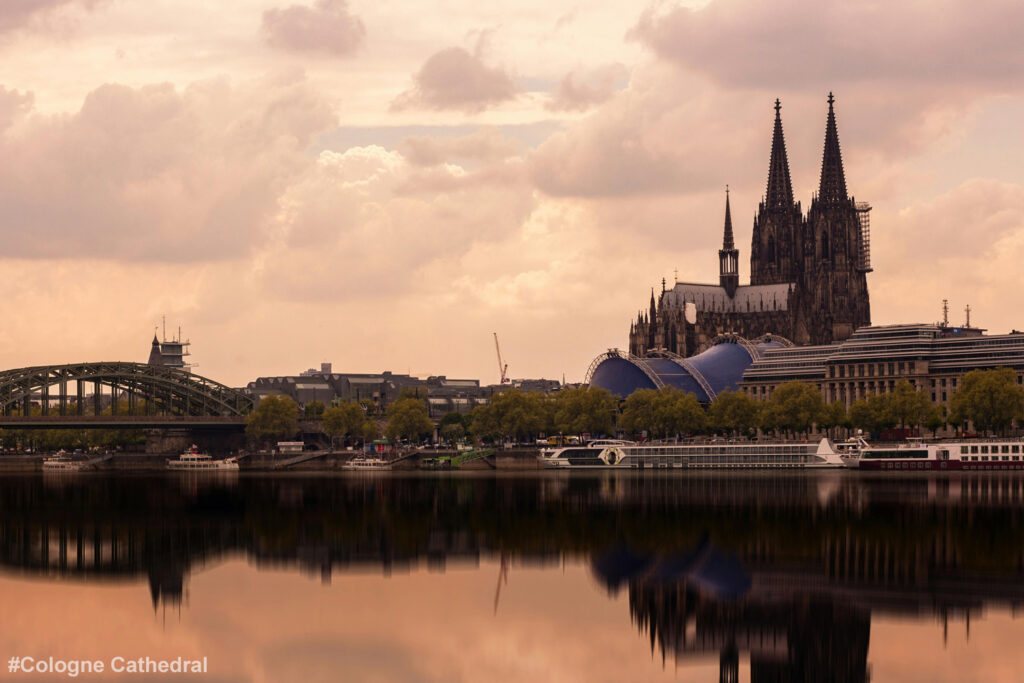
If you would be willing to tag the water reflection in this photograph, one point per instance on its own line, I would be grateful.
(785, 573)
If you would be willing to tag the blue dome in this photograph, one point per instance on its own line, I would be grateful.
(719, 368)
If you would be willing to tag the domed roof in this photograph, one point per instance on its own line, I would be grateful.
(705, 375)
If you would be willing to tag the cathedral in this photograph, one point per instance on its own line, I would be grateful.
(808, 274)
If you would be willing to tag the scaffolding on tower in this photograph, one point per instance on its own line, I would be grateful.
(864, 243)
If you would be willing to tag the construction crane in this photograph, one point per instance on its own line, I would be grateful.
(502, 367)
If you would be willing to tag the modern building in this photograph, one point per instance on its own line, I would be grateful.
(808, 274)
(932, 357)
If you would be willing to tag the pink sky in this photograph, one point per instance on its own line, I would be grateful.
(384, 185)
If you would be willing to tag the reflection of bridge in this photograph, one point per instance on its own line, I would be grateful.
(116, 395)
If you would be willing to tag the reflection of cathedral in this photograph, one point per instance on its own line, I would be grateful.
(807, 274)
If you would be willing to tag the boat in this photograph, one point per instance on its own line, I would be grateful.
(194, 461)
(61, 461)
(976, 454)
(363, 464)
(709, 455)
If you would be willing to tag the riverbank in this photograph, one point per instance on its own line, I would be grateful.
(322, 461)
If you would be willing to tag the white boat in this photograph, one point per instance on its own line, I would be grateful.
(363, 464)
(711, 455)
(194, 461)
(61, 461)
(972, 454)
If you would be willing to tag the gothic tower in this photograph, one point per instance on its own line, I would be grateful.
(776, 250)
(728, 256)
(834, 287)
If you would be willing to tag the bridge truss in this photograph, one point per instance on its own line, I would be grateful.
(122, 388)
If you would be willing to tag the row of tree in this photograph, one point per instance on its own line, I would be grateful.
(990, 400)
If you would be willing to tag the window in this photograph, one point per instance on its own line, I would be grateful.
(984, 457)
(902, 368)
(1015, 449)
(984, 449)
(963, 449)
(974, 449)
(1006, 449)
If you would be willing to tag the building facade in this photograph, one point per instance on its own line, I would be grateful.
(932, 357)
(808, 274)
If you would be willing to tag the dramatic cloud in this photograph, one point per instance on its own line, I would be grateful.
(455, 79)
(155, 173)
(584, 88)
(326, 27)
(798, 45)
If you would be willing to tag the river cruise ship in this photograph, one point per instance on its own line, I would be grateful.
(721, 455)
(194, 461)
(978, 454)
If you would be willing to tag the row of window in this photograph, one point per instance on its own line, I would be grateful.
(870, 369)
(973, 458)
(1005, 448)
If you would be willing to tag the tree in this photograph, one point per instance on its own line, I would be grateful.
(834, 416)
(991, 399)
(408, 419)
(521, 415)
(275, 417)
(453, 426)
(794, 407)
(908, 405)
(638, 412)
(313, 410)
(343, 419)
(873, 414)
(663, 412)
(371, 430)
(935, 419)
(412, 392)
(733, 412)
(589, 410)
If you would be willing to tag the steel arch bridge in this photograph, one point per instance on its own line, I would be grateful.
(156, 390)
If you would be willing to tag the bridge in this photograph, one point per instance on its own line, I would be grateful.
(117, 395)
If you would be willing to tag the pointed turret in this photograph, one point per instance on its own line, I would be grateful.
(832, 189)
(155, 357)
(654, 310)
(779, 194)
(728, 255)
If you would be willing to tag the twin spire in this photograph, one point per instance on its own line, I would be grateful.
(832, 189)
(779, 194)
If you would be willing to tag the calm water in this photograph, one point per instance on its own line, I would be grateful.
(605, 577)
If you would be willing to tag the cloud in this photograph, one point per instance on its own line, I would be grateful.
(15, 14)
(454, 79)
(486, 145)
(327, 27)
(585, 88)
(13, 105)
(795, 45)
(156, 173)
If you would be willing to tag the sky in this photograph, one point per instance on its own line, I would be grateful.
(383, 185)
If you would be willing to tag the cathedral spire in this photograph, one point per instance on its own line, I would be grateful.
(728, 256)
(727, 241)
(833, 180)
(654, 311)
(780, 189)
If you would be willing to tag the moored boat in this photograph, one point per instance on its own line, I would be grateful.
(994, 454)
(61, 461)
(711, 455)
(363, 464)
(194, 461)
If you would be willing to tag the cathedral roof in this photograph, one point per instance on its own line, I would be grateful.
(748, 298)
